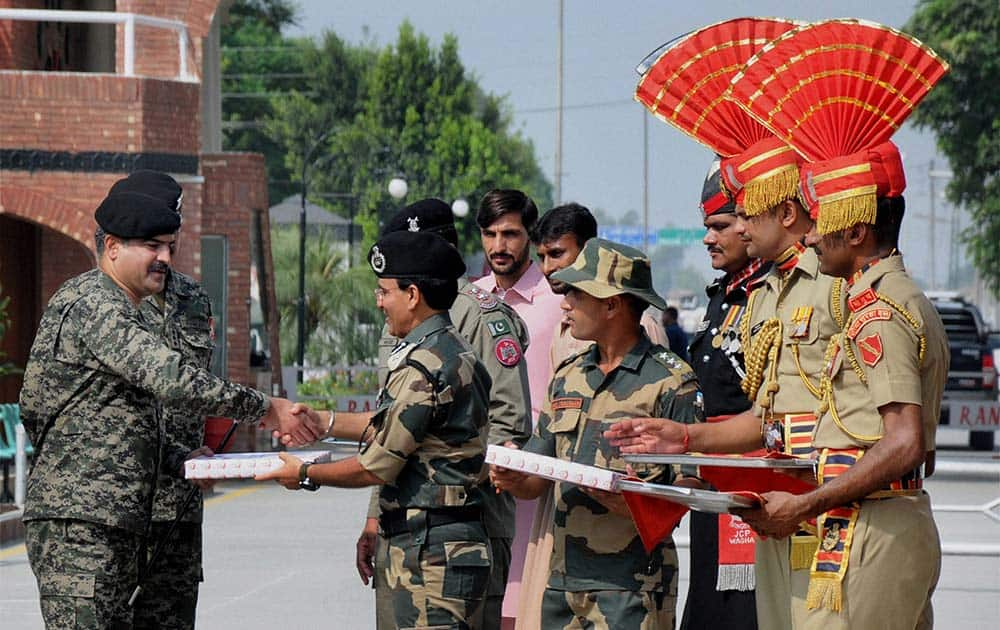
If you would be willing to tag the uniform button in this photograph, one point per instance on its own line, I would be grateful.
(704, 359)
(724, 306)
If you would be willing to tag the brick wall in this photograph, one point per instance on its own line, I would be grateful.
(18, 46)
(96, 112)
(235, 184)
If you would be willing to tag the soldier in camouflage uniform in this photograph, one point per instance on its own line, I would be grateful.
(182, 314)
(499, 337)
(90, 403)
(428, 446)
(601, 575)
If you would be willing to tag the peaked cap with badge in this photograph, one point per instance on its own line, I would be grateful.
(415, 255)
(135, 215)
(427, 215)
(153, 183)
(605, 268)
(684, 83)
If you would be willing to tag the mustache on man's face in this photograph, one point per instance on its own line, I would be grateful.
(159, 267)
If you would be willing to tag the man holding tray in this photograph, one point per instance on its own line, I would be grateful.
(428, 445)
(600, 570)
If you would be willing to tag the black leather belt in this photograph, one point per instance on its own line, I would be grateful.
(394, 523)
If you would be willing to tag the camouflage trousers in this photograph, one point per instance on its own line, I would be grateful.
(169, 594)
(85, 571)
(612, 610)
(437, 576)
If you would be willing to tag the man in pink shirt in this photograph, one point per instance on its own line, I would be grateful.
(505, 219)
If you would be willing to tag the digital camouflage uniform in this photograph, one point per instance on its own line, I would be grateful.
(601, 576)
(489, 326)
(429, 448)
(90, 404)
(182, 314)
(893, 350)
(794, 313)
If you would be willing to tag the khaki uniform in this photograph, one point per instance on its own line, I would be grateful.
(183, 316)
(599, 569)
(893, 350)
(90, 404)
(429, 448)
(488, 325)
(799, 310)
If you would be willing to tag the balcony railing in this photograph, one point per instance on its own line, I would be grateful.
(128, 20)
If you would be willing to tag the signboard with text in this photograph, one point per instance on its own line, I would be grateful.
(974, 415)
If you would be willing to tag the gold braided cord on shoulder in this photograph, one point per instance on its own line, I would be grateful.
(827, 402)
(816, 391)
(757, 357)
(837, 302)
(911, 320)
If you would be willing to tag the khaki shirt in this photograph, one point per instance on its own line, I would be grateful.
(802, 300)
(876, 360)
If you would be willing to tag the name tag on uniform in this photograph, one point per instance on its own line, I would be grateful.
(567, 403)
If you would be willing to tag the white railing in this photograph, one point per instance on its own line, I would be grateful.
(128, 20)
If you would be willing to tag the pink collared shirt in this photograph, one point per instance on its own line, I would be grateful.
(532, 298)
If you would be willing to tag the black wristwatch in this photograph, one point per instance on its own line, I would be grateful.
(305, 482)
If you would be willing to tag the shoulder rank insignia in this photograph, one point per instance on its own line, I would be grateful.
(800, 322)
(871, 349)
(498, 328)
(507, 352)
(862, 300)
(486, 300)
(399, 354)
(876, 314)
(670, 359)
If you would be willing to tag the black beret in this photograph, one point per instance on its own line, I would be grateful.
(415, 255)
(713, 199)
(426, 215)
(134, 215)
(152, 183)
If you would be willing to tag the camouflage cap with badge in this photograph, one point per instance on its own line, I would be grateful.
(605, 268)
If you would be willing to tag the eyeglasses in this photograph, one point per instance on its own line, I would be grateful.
(380, 293)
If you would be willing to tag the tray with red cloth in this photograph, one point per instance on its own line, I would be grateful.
(752, 472)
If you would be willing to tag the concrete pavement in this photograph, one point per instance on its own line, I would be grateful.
(275, 558)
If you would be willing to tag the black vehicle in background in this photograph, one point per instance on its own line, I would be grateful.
(972, 373)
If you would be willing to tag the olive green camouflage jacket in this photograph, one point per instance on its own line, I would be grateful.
(431, 422)
(595, 549)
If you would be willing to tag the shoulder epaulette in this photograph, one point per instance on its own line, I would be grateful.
(485, 300)
(674, 363)
(572, 358)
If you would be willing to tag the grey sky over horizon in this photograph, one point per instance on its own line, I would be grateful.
(511, 48)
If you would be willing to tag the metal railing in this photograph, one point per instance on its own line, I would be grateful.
(128, 20)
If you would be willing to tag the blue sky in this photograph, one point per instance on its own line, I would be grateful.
(510, 46)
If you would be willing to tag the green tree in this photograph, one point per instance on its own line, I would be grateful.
(964, 112)
(258, 61)
(406, 109)
(343, 323)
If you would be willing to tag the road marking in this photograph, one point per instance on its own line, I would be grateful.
(13, 551)
(234, 494)
(228, 496)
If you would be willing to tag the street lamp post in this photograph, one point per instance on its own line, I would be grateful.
(301, 353)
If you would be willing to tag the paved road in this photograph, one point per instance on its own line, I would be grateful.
(276, 558)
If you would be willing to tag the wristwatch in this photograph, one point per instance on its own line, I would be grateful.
(304, 481)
